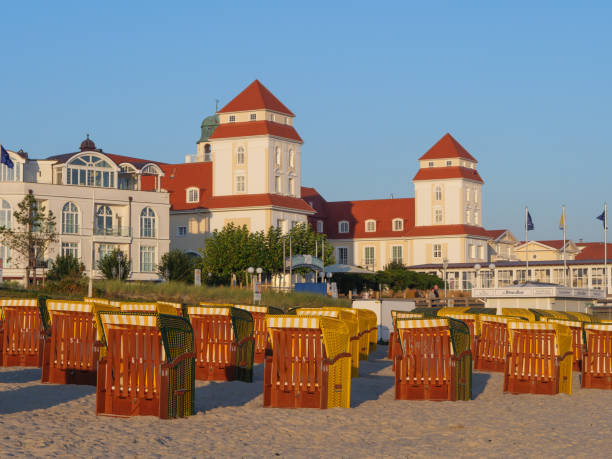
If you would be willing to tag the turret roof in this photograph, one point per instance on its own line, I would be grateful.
(447, 147)
(256, 96)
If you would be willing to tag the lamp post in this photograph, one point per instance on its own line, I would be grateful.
(445, 266)
(492, 268)
(251, 270)
(119, 267)
(477, 268)
(259, 271)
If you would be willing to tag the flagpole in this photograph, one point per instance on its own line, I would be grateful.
(526, 245)
(606, 248)
(564, 255)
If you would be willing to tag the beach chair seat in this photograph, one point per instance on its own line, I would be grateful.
(310, 366)
(149, 368)
(365, 323)
(575, 328)
(539, 360)
(260, 333)
(597, 357)
(224, 343)
(71, 346)
(394, 348)
(21, 332)
(491, 342)
(351, 321)
(436, 361)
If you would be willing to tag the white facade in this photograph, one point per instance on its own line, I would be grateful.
(90, 220)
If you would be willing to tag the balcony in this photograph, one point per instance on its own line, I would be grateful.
(122, 231)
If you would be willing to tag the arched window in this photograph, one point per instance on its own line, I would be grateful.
(147, 222)
(291, 158)
(5, 214)
(438, 193)
(90, 170)
(370, 226)
(70, 218)
(240, 155)
(278, 156)
(193, 194)
(104, 220)
(343, 226)
(207, 156)
(398, 224)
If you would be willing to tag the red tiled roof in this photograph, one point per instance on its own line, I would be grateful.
(494, 234)
(447, 230)
(316, 201)
(383, 211)
(437, 173)
(447, 147)
(255, 96)
(252, 128)
(257, 200)
(179, 177)
(593, 251)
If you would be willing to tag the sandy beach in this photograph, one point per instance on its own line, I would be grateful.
(39, 420)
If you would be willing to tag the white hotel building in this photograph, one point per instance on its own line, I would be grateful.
(101, 201)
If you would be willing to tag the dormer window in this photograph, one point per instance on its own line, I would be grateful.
(253, 116)
(193, 194)
(431, 164)
(343, 226)
(232, 118)
(398, 224)
(370, 226)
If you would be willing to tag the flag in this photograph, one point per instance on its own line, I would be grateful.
(562, 221)
(5, 158)
(602, 217)
(529, 222)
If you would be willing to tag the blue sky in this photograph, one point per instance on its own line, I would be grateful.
(527, 90)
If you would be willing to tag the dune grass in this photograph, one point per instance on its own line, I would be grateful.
(182, 293)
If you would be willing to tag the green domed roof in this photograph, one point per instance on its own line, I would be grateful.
(209, 125)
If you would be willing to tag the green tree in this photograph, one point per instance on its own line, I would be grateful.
(34, 232)
(65, 266)
(177, 265)
(115, 265)
(226, 253)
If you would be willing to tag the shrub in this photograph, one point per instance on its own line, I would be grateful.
(113, 269)
(177, 265)
(65, 266)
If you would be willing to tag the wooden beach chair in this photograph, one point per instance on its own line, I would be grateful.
(20, 332)
(71, 347)
(149, 369)
(158, 307)
(310, 366)
(224, 343)
(540, 359)
(394, 348)
(526, 314)
(365, 323)
(491, 342)
(436, 361)
(597, 357)
(470, 320)
(575, 328)
(351, 321)
(260, 333)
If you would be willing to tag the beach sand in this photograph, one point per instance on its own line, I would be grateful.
(53, 420)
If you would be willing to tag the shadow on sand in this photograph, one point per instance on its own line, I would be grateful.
(370, 385)
(217, 394)
(22, 375)
(479, 382)
(41, 396)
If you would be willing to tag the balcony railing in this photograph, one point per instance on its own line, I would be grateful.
(115, 231)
